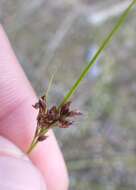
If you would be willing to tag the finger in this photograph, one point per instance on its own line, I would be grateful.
(16, 170)
(18, 118)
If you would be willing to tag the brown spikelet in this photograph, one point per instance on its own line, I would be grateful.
(47, 118)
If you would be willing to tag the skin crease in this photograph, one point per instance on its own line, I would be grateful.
(18, 119)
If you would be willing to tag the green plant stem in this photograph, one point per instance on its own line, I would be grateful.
(35, 141)
(95, 57)
(32, 146)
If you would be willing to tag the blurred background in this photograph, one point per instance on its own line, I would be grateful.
(61, 36)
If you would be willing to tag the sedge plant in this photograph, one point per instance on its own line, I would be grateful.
(61, 115)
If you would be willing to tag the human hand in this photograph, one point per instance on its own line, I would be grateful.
(17, 123)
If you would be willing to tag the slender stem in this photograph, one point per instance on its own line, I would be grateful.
(50, 83)
(44, 131)
(32, 146)
(35, 141)
(95, 57)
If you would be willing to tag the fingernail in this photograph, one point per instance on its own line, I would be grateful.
(17, 173)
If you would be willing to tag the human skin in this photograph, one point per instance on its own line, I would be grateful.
(18, 121)
(16, 171)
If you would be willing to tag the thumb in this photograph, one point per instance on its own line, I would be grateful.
(16, 171)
